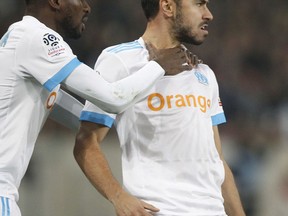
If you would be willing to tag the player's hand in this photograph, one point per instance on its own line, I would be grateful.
(128, 205)
(173, 60)
(192, 59)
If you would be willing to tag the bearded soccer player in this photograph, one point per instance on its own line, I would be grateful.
(172, 162)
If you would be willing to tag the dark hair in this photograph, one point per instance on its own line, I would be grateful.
(150, 8)
(31, 2)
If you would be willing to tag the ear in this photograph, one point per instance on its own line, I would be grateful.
(168, 7)
(55, 4)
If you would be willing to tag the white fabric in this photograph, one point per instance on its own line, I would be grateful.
(26, 64)
(66, 111)
(9, 207)
(169, 156)
(34, 61)
(117, 96)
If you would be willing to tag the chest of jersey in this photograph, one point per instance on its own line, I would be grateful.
(187, 93)
(175, 116)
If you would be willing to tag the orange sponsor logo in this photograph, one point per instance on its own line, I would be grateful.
(51, 100)
(157, 102)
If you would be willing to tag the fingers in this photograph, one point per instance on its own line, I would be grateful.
(193, 59)
(187, 67)
(150, 207)
(151, 50)
(173, 60)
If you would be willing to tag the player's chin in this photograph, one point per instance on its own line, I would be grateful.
(199, 40)
(196, 41)
(78, 33)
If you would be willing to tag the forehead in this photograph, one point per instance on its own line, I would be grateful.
(194, 1)
(201, 1)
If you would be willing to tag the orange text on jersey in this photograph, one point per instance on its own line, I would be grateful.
(178, 100)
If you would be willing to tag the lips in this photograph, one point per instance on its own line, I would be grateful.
(204, 27)
(85, 19)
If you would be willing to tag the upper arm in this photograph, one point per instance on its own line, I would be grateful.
(217, 141)
(88, 140)
(91, 133)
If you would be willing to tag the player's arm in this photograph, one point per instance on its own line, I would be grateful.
(66, 111)
(89, 156)
(232, 202)
(51, 65)
(116, 96)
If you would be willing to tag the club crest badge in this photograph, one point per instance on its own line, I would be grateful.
(201, 78)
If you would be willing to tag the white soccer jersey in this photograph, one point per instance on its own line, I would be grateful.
(169, 156)
(34, 60)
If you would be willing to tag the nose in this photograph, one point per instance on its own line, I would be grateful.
(208, 15)
(86, 7)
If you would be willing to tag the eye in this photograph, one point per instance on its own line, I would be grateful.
(201, 3)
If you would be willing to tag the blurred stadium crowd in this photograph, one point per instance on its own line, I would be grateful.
(248, 50)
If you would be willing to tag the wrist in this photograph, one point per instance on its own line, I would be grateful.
(115, 196)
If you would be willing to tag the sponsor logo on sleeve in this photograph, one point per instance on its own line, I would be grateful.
(54, 47)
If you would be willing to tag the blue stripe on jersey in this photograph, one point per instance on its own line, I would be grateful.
(5, 206)
(97, 118)
(125, 46)
(218, 119)
(8, 207)
(61, 75)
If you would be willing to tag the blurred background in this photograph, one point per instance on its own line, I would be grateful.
(248, 50)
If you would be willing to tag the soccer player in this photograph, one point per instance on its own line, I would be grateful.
(35, 60)
(172, 162)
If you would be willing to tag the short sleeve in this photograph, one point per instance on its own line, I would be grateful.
(111, 68)
(44, 56)
(217, 112)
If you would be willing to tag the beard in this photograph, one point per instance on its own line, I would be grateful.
(70, 29)
(182, 32)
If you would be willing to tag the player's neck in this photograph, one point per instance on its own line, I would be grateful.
(159, 36)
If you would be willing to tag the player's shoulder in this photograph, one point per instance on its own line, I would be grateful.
(204, 72)
(36, 29)
(124, 48)
(27, 32)
(204, 67)
(129, 53)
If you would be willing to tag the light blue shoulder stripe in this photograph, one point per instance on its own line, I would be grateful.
(62, 74)
(97, 118)
(218, 119)
(4, 39)
(125, 46)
